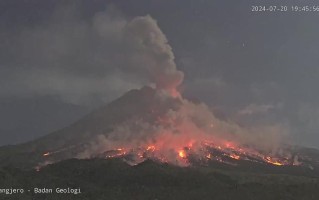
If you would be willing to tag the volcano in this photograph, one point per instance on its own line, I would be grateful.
(148, 144)
(69, 141)
(148, 124)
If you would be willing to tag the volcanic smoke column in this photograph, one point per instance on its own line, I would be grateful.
(168, 135)
(158, 57)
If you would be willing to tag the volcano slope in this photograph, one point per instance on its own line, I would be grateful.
(131, 170)
(147, 124)
(69, 141)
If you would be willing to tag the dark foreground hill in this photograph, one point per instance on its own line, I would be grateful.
(113, 179)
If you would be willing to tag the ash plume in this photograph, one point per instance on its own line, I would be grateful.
(144, 33)
(148, 55)
(147, 52)
(173, 129)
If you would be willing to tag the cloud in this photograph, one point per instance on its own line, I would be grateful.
(85, 60)
(256, 109)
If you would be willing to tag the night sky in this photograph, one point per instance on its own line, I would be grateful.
(59, 61)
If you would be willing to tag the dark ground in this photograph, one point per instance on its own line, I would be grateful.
(114, 179)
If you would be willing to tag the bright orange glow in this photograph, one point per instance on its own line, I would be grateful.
(150, 148)
(182, 154)
(277, 163)
(274, 162)
(206, 150)
(236, 157)
(159, 151)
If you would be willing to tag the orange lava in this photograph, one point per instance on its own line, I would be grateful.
(273, 162)
(236, 157)
(277, 163)
(182, 154)
(150, 148)
(164, 150)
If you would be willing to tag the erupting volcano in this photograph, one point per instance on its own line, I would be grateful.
(152, 124)
(156, 122)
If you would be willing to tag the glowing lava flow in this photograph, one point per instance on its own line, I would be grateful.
(150, 148)
(204, 152)
(236, 157)
(274, 162)
(182, 154)
(192, 152)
